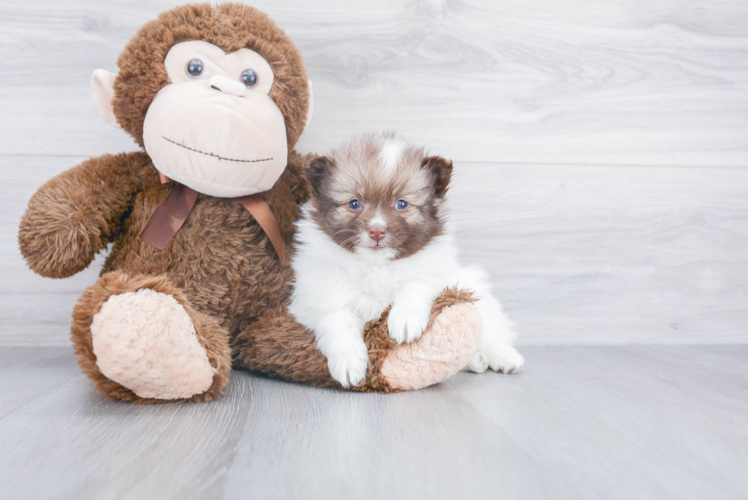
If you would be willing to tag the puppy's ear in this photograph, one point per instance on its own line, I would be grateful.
(316, 171)
(441, 173)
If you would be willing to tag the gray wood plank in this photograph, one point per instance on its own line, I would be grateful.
(26, 374)
(578, 254)
(614, 255)
(639, 422)
(118, 450)
(624, 82)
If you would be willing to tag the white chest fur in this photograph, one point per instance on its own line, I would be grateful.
(330, 278)
(375, 287)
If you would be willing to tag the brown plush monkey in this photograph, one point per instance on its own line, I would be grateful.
(199, 221)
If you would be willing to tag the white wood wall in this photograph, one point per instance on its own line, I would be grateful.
(601, 147)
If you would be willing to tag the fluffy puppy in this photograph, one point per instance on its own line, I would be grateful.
(375, 233)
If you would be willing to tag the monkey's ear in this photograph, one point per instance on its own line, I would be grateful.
(102, 85)
(310, 109)
(316, 170)
(441, 173)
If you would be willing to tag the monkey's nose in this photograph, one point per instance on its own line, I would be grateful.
(227, 85)
(377, 233)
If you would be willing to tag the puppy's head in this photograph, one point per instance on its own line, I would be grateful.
(379, 195)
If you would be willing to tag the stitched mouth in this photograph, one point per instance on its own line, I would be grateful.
(211, 154)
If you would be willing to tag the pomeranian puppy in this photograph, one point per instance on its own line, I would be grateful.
(375, 233)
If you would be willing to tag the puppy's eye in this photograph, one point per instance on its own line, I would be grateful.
(194, 68)
(354, 204)
(401, 205)
(249, 78)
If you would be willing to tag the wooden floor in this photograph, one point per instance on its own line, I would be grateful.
(580, 423)
(601, 176)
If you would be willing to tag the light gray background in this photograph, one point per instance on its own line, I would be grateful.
(600, 147)
(601, 151)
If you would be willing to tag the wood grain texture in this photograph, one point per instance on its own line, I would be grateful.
(610, 255)
(578, 255)
(600, 152)
(551, 111)
(620, 82)
(659, 423)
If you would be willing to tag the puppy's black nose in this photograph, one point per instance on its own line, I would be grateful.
(377, 233)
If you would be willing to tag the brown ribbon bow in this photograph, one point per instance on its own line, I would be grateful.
(170, 215)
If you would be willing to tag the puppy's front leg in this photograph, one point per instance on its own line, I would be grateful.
(339, 337)
(410, 312)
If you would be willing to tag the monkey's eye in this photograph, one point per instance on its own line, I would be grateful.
(354, 204)
(194, 68)
(249, 78)
(401, 204)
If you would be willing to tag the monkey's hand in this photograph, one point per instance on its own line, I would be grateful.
(75, 214)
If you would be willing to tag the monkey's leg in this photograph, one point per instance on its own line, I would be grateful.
(139, 339)
(278, 346)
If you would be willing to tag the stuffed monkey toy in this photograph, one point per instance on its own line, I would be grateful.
(201, 222)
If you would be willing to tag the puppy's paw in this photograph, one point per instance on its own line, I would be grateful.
(503, 358)
(348, 363)
(477, 364)
(408, 320)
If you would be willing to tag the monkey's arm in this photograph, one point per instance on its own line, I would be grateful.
(75, 214)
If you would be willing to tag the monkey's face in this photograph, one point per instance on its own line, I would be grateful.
(214, 128)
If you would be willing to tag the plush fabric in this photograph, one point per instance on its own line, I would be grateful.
(220, 268)
(229, 26)
(214, 148)
(145, 340)
(435, 357)
(213, 338)
(102, 86)
(279, 346)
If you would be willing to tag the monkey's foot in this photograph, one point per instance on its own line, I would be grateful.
(447, 346)
(146, 341)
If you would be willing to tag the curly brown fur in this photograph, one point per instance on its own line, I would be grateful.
(280, 347)
(76, 214)
(380, 344)
(220, 257)
(210, 334)
(230, 26)
(220, 265)
(221, 260)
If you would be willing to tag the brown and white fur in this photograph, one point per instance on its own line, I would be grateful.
(375, 233)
